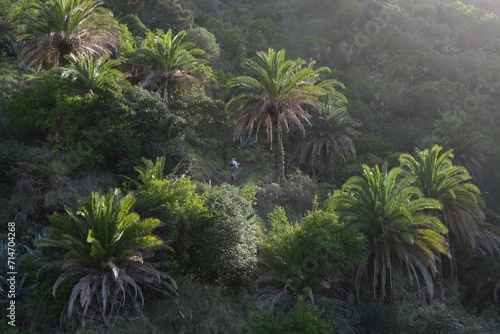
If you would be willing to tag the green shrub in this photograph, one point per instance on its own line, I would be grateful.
(443, 319)
(303, 318)
(205, 40)
(326, 239)
(119, 151)
(412, 317)
(208, 228)
(310, 258)
(376, 144)
(299, 191)
(11, 154)
(177, 204)
(152, 122)
(378, 318)
(226, 247)
(46, 308)
(135, 25)
(296, 194)
(46, 111)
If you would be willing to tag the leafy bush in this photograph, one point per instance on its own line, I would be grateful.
(11, 154)
(376, 144)
(44, 309)
(296, 194)
(299, 191)
(325, 238)
(46, 111)
(205, 40)
(303, 318)
(226, 247)
(378, 318)
(306, 259)
(443, 319)
(119, 150)
(135, 25)
(152, 121)
(176, 203)
(411, 317)
(210, 232)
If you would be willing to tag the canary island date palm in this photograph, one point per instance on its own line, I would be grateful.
(105, 246)
(435, 174)
(91, 74)
(277, 94)
(61, 27)
(164, 59)
(331, 135)
(391, 213)
(458, 131)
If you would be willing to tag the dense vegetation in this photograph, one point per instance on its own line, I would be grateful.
(368, 194)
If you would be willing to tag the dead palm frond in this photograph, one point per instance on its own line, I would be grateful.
(164, 60)
(61, 27)
(330, 136)
(104, 245)
(277, 94)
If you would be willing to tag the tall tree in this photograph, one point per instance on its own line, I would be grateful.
(61, 27)
(391, 213)
(459, 132)
(165, 59)
(331, 135)
(277, 94)
(435, 174)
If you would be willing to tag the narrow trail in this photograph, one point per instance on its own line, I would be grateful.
(243, 174)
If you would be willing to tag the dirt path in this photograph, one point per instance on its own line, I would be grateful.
(243, 174)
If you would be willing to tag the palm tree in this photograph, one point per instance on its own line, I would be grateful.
(435, 174)
(151, 170)
(289, 272)
(164, 60)
(90, 74)
(61, 27)
(277, 94)
(331, 135)
(391, 213)
(458, 131)
(105, 246)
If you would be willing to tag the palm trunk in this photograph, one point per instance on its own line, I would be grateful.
(389, 296)
(439, 277)
(166, 99)
(279, 152)
(439, 280)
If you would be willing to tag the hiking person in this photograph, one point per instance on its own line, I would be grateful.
(233, 166)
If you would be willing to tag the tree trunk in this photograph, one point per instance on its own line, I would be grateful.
(439, 280)
(166, 99)
(389, 296)
(439, 277)
(279, 152)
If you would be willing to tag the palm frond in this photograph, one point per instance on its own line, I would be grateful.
(62, 27)
(108, 258)
(392, 214)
